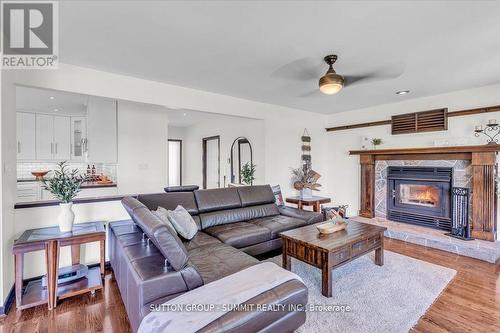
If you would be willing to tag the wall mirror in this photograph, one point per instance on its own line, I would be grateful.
(241, 153)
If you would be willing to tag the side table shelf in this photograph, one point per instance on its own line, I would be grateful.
(51, 240)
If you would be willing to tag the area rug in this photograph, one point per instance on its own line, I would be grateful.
(385, 299)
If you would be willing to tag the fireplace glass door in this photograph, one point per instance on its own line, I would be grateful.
(423, 197)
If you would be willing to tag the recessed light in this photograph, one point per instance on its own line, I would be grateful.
(184, 114)
(52, 97)
(402, 92)
(56, 110)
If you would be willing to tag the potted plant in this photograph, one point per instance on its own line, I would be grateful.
(248, 173)
(64, 185)
(376, 142)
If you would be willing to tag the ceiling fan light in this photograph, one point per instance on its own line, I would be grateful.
(331, 83)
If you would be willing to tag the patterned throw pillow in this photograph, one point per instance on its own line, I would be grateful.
(277, 195)
(162, 214)
(183, 222)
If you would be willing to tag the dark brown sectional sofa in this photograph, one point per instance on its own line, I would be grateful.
(151, 265)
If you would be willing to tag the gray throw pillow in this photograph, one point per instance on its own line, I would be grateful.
(183, 222)
(162, 214)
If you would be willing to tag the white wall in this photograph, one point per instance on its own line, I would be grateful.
(344, 170)
(228, 129)
(283, 128)
(142, 148)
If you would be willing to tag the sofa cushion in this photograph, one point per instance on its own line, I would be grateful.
(216, 261)
(170, 201)
(162, 214)
(308, 216)
(169, 244)
(199, 240)
(255, 195)
(183, 222)
(217, 199)
(240, 234)
(278, 223)
(237, 215)
(140, 250)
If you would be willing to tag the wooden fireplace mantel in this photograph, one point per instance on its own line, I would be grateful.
(483, 160)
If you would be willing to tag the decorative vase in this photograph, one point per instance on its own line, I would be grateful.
(66, 216)
(306, 193)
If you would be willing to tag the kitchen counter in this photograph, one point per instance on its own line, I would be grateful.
(84, 184)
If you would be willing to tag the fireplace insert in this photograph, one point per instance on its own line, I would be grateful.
(420, 195)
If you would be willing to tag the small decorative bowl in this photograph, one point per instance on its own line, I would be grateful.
(39, 174)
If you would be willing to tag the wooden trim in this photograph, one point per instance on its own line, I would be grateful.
(460, 113)
(428, 150)
(204, 148)
(427, 157)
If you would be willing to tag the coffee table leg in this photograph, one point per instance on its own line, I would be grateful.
(326, 280)
(285, 260)
(379, 253)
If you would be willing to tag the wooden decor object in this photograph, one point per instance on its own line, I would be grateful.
(460, 113)
(427, 121)
(483, 158)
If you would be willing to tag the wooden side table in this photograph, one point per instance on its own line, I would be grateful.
(314, 201)
(51, 240)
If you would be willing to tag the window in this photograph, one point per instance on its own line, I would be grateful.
(174, 162)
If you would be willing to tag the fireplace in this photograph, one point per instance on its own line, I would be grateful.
(420, 195)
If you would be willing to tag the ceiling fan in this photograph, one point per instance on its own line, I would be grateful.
(331, 82)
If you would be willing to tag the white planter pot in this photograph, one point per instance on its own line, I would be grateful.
(306, 193)
(66, 217)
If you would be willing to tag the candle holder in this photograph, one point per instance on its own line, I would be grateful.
(491, 131)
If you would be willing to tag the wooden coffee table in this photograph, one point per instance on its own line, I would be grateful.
(313, 201)
(333, 250)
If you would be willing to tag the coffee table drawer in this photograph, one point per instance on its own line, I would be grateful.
(341, 256)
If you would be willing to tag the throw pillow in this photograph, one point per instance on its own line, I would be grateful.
(277, 195)
(162, 214)
(183, 222)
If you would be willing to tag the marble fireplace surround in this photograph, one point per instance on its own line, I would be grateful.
(474, 167)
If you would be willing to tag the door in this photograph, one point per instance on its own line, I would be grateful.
(211, 162)
(78, 138)
(174, 162)
(62, 138)
(26, 142)
(44, 137)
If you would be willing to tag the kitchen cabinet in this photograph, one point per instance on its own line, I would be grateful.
(44, 137)
(28, 191)
(53, 136)
(62, 138)
(78, 145)
(26, 142)
(101, 130)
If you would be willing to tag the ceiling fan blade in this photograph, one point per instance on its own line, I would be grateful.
(385, 73)
(301, 70)
(311, 93)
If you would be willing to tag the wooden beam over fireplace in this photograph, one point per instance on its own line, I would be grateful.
(483, 159)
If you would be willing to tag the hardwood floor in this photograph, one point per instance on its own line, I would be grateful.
(470, 303)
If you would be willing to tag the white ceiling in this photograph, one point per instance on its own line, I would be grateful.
(40, 101)
(255, 50)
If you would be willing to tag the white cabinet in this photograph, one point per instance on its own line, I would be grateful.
(44, 137)
(101, 130)
(62, 138)
(28, 191)
(26, 143)
(53, 137)
(78, 145)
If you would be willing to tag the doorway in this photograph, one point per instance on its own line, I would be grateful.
(174, 162)
(211, 162)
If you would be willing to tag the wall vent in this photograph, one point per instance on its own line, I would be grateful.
(426, 121)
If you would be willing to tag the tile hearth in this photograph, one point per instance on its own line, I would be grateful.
(483, 250)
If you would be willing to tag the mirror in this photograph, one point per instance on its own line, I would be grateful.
(241, 153)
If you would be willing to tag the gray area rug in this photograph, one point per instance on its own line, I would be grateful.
(384, 299)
